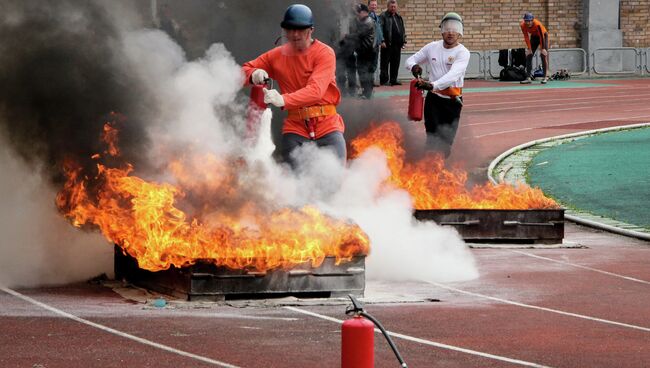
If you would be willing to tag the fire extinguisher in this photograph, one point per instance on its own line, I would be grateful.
(358, 338)
(416, 101)
(256, 106)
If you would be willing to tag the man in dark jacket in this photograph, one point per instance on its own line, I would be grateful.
(392, 26)
(363, 28)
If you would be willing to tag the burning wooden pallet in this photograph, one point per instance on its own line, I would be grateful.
(544, 226)
(205, 281)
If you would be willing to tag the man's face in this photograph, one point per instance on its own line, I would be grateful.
(372, 6)
(529, 23)
(299, 39)
(361, 15)
(450, 38)
(392, 8)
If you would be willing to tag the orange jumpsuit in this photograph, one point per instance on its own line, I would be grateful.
(306, 79)
(535, 35)
(536, 30)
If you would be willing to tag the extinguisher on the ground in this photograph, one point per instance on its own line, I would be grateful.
(256, 107)
(416, 101)
(358, 339)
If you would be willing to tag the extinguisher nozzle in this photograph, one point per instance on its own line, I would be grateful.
(356, 306)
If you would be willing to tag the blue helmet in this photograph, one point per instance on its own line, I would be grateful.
(297, 16)
(528, 16)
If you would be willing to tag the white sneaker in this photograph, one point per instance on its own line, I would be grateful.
(526, 81)
(544, 80)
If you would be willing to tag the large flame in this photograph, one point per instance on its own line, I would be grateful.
(145, 219)
(432, 186)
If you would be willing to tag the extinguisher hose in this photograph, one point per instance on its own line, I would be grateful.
(385, 333)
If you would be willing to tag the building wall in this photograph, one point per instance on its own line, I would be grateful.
(494, 24)
(635, 23)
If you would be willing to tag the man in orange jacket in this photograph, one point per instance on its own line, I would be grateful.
(305, 70)
(535, 35)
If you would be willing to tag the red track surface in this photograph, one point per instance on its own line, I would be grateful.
(552, 307)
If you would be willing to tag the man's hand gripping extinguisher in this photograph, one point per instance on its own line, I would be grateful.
(256, 107)
(357, 338)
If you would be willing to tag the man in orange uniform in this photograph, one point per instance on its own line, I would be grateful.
(305, 70)
(538, 37)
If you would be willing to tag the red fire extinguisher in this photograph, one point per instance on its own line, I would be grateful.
(358, 339)
(256, 107)
(416, 102)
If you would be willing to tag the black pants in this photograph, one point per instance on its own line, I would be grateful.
(441, 117)
(346, 74)
(534, 43)
(366, 65)
(389, 61)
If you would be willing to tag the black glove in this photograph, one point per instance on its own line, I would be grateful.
(422, 84)
(416, 70)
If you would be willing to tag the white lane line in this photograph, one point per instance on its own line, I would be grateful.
(559, 125)
(583, 267)
(581, 316)
(632, 97)
(516, 105)
(116, 332)
(428, 342)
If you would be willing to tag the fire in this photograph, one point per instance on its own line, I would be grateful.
(146, 220)
(432, 186)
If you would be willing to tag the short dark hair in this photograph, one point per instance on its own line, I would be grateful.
(369, 1)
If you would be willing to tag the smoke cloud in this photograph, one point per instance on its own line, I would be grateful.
(72, 64)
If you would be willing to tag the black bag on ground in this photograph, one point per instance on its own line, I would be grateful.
(518, 57)
(512, 73)
(504, 57)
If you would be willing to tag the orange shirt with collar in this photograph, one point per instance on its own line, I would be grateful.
(537, 29)
(306, 79)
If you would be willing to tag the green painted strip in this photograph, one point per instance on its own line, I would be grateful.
(509, 86)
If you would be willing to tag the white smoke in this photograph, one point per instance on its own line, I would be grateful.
(38, 246)
(196, 93)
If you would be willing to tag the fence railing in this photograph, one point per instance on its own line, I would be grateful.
(615, 60)
(602, 61)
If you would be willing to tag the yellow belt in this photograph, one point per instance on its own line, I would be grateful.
(306, 113)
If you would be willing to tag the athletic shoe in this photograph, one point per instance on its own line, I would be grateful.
(526, 81)
(544, 80)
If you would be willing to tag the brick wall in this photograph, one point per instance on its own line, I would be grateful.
(634, 23)
(494, 24)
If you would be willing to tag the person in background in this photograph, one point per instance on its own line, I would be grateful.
(394, 33)
(346, 59)
(447, 60)
(379, 36)
(363, 29)
(304, 68)
(535, 35)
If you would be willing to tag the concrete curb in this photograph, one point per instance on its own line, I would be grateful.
(575, 216)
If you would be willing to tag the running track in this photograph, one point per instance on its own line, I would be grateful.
(567, 307)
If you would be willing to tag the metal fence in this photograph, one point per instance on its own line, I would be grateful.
(602, 61)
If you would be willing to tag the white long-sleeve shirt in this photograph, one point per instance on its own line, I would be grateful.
(446, 66)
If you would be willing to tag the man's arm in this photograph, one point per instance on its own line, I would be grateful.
(525, 32)
(262, 62)
(417, 58)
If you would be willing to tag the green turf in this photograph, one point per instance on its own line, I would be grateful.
(606, 174)
(507, 86)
